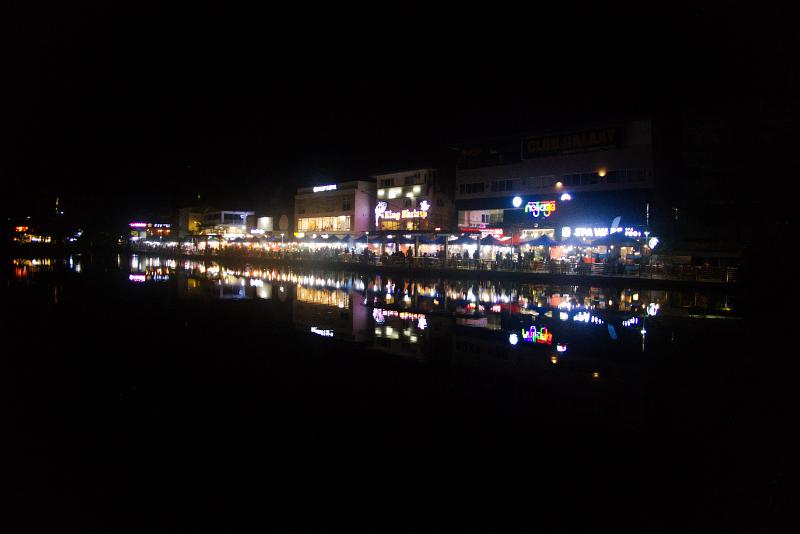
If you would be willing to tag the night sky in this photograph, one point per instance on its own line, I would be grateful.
(120, 113)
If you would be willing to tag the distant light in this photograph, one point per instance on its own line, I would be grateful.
(653, 243)
(561, 347)
(513, 339)
(554, 359)
(644, 331)
(517, 202)
(596, 375)
(601, 172)
(559, 185)
(566, 196)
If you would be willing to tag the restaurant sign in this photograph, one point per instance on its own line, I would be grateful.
(382, 213)
(533, 147)
(544, 208)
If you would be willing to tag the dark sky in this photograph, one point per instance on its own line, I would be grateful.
(119, 112)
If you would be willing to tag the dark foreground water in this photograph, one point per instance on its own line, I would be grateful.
(153, 392)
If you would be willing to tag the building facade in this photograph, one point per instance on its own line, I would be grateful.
(587, 181)
(228, 224)
(413, 200)
(334, 208)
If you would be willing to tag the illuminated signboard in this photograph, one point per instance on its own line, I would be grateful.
(320, 332)
(21, 228)
(382, 213)
(545, 208)
(320, 188)
(138, 225)
(533, 147)
(162, 225)
(540, 336)
(136, 278)
(585, 231)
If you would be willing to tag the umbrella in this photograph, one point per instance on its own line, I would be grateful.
(362, 239)
(437, 240)
(543, 240)
(492, 240)
(464, 239)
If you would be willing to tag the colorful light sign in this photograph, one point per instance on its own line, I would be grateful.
(321, 188)
(382, 213)
(138, 225)
(541, 336)
(537, 208)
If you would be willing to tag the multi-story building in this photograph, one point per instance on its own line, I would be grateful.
(228, 224)
(341, 208)
(413, 200)
(587, 181)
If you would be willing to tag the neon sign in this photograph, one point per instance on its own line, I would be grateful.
(138, 225)
(136, 278)
(320, 188)
(382, 213)
(585, 231)
(545, 207)
(541, 336)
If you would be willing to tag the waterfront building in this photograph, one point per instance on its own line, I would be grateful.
(339, 208)
(413, 200)
(587, 182)
(229, 224)
(143, 230)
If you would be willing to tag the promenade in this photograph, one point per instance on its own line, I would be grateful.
(552, 272)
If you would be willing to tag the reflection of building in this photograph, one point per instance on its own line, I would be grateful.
(413, 200)
(335, 208)
(330, 313)
(606, 172)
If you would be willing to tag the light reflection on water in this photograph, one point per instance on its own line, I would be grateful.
(410, 316)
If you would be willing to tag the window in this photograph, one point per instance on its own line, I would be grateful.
(409, 180)
(477, 187)
(407, 202)
(346, 204)
(387, 182)
(502, 185)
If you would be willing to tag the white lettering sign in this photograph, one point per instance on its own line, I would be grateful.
(320, 188)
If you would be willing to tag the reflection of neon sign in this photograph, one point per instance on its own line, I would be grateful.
(540, 336)
(652, 308)
(546, 208)
(380, 315)
(320, 332)
(586, 317)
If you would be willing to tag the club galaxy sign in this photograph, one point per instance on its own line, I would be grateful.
(382, 213)
(541, 208)
(533, 147)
